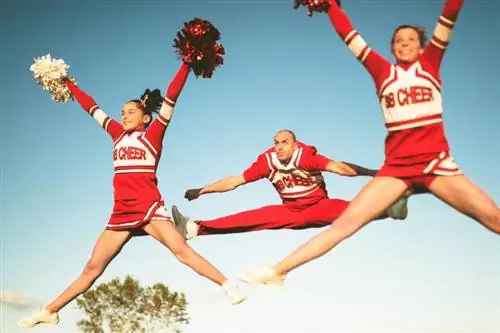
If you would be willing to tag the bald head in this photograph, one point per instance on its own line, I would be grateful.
(287, 133)
(285, 143)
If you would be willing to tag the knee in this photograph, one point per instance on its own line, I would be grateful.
(348, 225)
(182, 252)
(92, 270)
(493, 220)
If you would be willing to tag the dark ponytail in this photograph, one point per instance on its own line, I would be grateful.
(150, 102)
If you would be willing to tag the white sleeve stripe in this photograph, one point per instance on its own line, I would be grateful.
(445, 20)
(166, 111)
(442, 33)
(357, 45)
(99, 116)
(92, 109)
(165, 123)
(365, 54)
(106, 122)
(169, 101)
(349, 35)
(437, 44)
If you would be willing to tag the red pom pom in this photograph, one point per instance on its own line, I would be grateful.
(314, 5)
(196, 44)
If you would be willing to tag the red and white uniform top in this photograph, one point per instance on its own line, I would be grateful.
(136, 154)
(294, 181)
(409, 93)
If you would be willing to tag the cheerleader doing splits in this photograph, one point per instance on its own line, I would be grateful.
(138, 206)
(417, 155)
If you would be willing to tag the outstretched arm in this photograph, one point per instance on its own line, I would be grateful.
(222, 185)
(156, 130)
(349, 169)
(434, 51)
(373, 62)
(256, 171)
(88, 104)
(314, 161)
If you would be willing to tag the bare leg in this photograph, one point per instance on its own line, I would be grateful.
(374, 198)
(466, 197)
(108, 245)
(166, 233)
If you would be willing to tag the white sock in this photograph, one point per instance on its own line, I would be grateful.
(192, 229)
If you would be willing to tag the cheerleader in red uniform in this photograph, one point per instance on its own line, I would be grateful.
(417, 154)
(138, 206)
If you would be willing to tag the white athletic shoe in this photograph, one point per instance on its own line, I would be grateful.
(39, 317)
(262, 275)
(236, 296)
(399, 210)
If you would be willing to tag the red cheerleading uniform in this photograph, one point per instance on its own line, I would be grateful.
(136, 154)
(416, 148)
(305, 202)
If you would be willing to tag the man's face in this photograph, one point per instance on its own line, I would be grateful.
(284, 145)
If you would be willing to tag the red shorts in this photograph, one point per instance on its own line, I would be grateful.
(133, 214)
(420, 175)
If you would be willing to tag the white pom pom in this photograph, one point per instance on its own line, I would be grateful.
(50, 74)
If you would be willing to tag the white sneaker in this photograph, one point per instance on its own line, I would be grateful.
(39, 317)
(235, 295)
(262, 275)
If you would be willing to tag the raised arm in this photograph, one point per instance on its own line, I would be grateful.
(372, 61)
(222, 185)
(434, 51)
(88, 104)
(156, 130)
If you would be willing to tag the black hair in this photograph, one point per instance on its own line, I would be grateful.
(150, 102)
(421, 31)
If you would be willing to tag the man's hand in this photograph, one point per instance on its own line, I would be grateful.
(192, 194)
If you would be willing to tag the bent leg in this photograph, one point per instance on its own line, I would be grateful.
(462, 194)
(373, 199)
(165, 232)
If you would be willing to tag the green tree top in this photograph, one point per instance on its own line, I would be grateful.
(126, 307)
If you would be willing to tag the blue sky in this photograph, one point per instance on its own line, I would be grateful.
(435, 272)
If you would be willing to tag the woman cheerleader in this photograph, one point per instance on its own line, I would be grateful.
(417, 155)
(138, 206)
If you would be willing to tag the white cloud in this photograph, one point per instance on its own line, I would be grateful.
(16, 301)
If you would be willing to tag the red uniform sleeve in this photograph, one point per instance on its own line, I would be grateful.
(311, 160)
(372, 61)
(111, 126)
(434, 51)
(258, 170)
(156, 130)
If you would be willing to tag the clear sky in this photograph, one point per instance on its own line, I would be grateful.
(435, 272)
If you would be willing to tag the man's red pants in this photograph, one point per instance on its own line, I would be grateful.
(285, 216)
